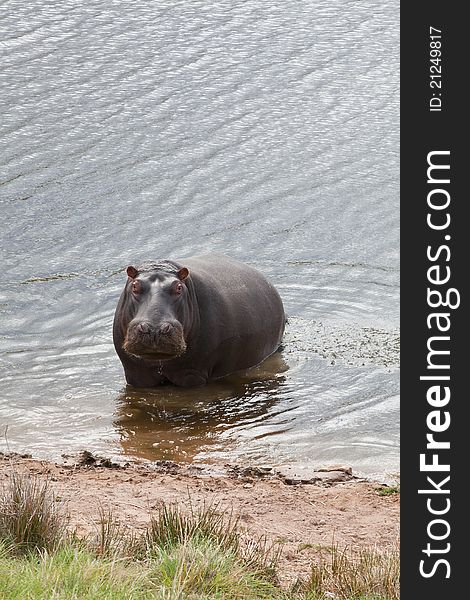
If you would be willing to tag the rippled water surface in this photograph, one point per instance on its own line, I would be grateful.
(162, 129)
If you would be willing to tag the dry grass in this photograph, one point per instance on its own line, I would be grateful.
(367, 574)
(170, 528)
(30, 517)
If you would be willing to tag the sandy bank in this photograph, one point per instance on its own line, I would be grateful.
(301, 517)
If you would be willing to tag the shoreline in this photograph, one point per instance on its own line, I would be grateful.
(303, 518)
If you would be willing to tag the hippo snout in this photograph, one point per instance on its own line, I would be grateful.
(161, 341)
(165, 328)
(142, 327)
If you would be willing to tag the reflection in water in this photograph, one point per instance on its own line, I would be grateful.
(178, 423)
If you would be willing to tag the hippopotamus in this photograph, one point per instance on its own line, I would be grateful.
(191, 321)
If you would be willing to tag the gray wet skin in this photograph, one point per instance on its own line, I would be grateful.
(191, 321)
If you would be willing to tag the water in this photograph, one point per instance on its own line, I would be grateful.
(265, 131)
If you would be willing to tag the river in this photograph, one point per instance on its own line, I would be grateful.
(162, 129)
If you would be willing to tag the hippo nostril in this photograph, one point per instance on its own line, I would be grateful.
(143, 328)
(165, 328)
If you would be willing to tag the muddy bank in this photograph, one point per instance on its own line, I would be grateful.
(302, 517)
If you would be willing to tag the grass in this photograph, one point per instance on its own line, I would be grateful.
(363, 575)
(387, 490)
(30, 517)
(72, 572)
(170, 527)
(202, 555)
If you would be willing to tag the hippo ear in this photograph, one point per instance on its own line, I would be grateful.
(132, 272)
(182, 273)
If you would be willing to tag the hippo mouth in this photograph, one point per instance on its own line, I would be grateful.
(157, 356)
(154, 354)
(151, 353)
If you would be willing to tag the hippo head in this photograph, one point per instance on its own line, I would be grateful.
(158, 311)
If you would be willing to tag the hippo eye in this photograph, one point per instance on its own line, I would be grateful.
(177, 288)
(136, 287)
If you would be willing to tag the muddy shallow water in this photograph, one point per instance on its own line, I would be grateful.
(136, 131)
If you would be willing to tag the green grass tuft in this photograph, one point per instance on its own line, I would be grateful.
(387, 490)
(170, 527)
(201, 568)
(30, 518)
